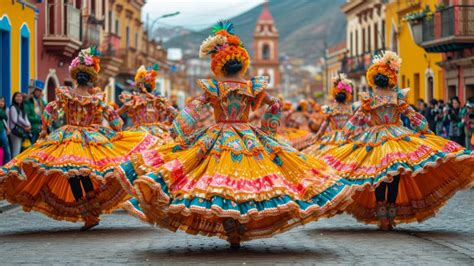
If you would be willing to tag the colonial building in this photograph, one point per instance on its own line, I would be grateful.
(65, 27)
(447, 30)
(419, 70)
(265, 48)
(127, 47)
(333, 65)
(365, 38)
(18, 23)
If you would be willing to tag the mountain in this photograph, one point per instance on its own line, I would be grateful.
(304, 27)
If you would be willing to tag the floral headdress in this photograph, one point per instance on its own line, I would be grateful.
(147, 75)
(87, 61)
(342, 85)
(387, 64)
(223, 47)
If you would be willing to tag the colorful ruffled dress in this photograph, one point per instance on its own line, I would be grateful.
(298, 134)
(331, 131)
(37, 179)
(431, 168)
(145, 111)
(232, 170)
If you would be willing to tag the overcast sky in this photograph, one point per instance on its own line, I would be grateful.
(196, 14)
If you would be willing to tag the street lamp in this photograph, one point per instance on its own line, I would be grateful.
(160, 17)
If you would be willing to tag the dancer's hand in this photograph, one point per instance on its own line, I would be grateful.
(43, 134)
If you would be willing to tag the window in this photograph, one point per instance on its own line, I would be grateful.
(369, 46)
(117, 27)
(109, 20)
(51, 13)
(430, 88)
(136, 40)
(5, 66)
(24, 59)
(127, 37)
(383, 34)
(376, 37)
(363, 41)
(93, 8)
(357, 43)
(266, 52)
(351, 44)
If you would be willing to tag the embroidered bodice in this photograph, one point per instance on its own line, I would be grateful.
(232, 101)
(337, 115)
(81, 110)
(144, 109)
(385, 110)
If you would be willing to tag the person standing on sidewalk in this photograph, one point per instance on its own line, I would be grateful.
(19, 124)
(4, 132)
(34, 107)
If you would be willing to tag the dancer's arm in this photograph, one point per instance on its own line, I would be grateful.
(185, 123)
(50, 113)
(111, 116)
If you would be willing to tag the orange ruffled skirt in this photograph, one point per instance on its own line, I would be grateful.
(431, 170)
(37, 179)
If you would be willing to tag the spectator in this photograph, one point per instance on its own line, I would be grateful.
(19, 124)
(456, 117)
(430, 113)
(4, 132)
(470, 122)
(34, 107)
(421, 106)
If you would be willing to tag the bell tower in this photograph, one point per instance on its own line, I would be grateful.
(265, 48)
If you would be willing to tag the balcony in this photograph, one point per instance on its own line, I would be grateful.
(356, 66)
(129, 59)
(449, 29)
(63, 38)
(110, 60)
(91, 31)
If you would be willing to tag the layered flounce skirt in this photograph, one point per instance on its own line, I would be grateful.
(237, 172)
(431, 170)
(327, 142)
(37, 179)
(298, 138)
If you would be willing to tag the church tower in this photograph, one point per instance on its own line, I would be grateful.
(265, 48)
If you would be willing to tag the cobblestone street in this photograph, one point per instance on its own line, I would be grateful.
(446, 239)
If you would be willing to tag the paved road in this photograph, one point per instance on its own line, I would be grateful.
(446, 239)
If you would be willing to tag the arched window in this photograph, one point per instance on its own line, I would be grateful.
(50, 88)
(24, 58)
(430, 89)
(5, 64)
(266, 52)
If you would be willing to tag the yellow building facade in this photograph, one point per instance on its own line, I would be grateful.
(17, 46)
(419, 70)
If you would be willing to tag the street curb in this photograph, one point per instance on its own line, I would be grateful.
(6, 207)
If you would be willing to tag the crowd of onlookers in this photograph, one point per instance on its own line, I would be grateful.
(453, 120)
(20, 123)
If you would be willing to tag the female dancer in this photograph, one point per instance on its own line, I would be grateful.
(232, 179)
(297, 130)
(413, 172)
(330, 133)
(68, 174)
(145, 109)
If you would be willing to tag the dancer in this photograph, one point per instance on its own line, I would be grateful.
(330, 134)
(232, 179)
(145, 109)
(413, 172)
(296, 129)
(68, 174)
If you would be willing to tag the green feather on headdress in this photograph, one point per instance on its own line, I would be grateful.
(224, 25)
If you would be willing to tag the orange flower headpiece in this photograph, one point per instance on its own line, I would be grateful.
(223, 47)
(87, 61)
(147, 76)
(303, 104)
(388, 64)
(342, 85)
